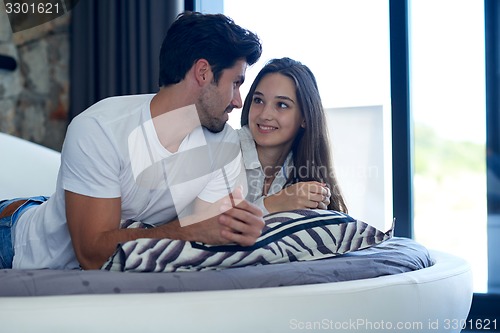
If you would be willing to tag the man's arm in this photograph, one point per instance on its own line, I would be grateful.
(94, 226)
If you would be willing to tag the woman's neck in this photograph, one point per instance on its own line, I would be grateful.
(271, 159)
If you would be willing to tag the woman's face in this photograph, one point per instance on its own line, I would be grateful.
(275, 116)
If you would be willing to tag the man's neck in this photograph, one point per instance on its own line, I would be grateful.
(174, 117)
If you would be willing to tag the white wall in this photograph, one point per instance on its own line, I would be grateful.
(360, 138)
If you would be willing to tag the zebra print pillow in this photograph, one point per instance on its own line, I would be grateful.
(288, 236)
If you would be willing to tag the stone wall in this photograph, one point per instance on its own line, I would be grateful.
(34, 98)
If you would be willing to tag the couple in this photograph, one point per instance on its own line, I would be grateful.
(112, 162)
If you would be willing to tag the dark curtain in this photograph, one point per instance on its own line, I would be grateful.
(115, 47)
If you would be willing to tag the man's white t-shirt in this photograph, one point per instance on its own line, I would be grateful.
(112, 150)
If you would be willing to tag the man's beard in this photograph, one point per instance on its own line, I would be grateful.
(208, 102)
(211, 123)
(215, 128)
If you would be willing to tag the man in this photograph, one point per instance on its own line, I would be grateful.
(129, 157)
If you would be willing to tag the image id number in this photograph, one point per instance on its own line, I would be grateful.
(471, 324)
(31, 8)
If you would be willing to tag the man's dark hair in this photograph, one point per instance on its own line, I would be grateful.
(214, 37)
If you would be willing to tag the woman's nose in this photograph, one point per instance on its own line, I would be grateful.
(267, 112)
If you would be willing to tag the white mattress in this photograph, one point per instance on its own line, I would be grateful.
(433, 299)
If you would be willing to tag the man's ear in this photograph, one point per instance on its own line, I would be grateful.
(202, 71)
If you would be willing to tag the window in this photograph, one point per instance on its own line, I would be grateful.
(447, 80)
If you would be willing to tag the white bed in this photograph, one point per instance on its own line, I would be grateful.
(433, 299)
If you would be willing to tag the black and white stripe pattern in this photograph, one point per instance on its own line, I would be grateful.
(288, 236)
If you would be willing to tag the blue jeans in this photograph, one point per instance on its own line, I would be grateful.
(6, 224)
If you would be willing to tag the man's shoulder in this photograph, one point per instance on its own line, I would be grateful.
(117, 112)
(118, 104)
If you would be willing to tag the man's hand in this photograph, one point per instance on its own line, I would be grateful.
(302, 195)
(241, 224)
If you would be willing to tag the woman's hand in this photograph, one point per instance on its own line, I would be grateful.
(309, 195)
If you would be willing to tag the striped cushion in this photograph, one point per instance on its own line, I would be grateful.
(288, 236)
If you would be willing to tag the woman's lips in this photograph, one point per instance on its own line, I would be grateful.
(265, 128)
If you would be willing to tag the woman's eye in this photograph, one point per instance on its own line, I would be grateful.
(257, 100)
(282, 105)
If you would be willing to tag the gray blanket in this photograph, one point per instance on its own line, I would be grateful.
(394, 256)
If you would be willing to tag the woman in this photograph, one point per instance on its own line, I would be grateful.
(284, 140)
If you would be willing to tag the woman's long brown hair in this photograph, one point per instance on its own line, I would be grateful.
(311, 147)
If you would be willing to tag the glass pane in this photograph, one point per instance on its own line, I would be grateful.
(448, 104)
(348, 51)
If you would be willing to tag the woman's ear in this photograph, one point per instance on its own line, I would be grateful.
(303, 125)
